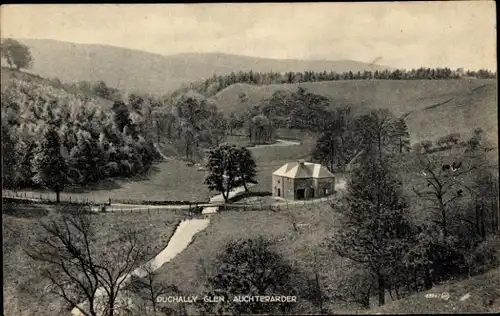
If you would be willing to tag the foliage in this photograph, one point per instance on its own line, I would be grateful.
(246, 167)
(229, 167)
(375, 227)
(76, 268)
(94, 144)
(49, 166)
(345, 137)
(251, 267)
(193, 123)
(16, 54)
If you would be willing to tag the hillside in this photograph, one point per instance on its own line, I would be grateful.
(133, 70)
(434, 108)
(483, 290)
(8, 75)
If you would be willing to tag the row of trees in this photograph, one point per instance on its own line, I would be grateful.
(284, 109)
(211, 86)
(345, 137)
(52, 138)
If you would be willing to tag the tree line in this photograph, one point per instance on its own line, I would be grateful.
(216, 83)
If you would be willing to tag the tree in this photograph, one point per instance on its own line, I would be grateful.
(251, 267)
(49, 166)
(149, 286)
(217, 127)
(374, 229)
(377, 130)
(223, 170)
(355, 283)
(78, 268)
(246, 167)
(17, 54)
(326, 150)
(121, 115)
(235, 122)
(402, 135)
(9, 157)
(440, 184)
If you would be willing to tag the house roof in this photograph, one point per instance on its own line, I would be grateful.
(300, 170)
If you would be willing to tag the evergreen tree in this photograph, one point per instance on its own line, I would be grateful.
(49, 165)
(402, 135)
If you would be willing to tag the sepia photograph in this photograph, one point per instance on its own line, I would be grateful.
(292, 158)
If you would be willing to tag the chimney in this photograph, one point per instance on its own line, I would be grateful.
(301, 161)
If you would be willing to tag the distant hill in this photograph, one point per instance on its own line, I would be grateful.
(133, 70)
(433, 108)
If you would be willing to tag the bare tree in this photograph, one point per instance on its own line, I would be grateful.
(79, 269)
(443, 183)
(150, 287)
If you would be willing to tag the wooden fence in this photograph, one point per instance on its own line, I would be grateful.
(191, 207)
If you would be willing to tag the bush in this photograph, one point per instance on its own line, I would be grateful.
(483, 257)
(426, 145)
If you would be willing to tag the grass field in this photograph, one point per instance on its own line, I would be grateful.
(168, 180)
(23, 285)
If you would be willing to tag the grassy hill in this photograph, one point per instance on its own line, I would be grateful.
(434, 108)
(484, 291)
(134, 70)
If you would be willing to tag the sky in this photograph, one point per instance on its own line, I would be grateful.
(406, 35)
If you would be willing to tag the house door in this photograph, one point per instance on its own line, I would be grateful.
(301, 193)
(279, 192)
(325, 191)
(311, 192)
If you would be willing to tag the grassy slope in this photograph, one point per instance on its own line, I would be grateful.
(435, 107)
(484, 297)
(191, 267)
(23, 285)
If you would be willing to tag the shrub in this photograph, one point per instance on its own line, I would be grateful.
(427, 145)
(483, 257)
